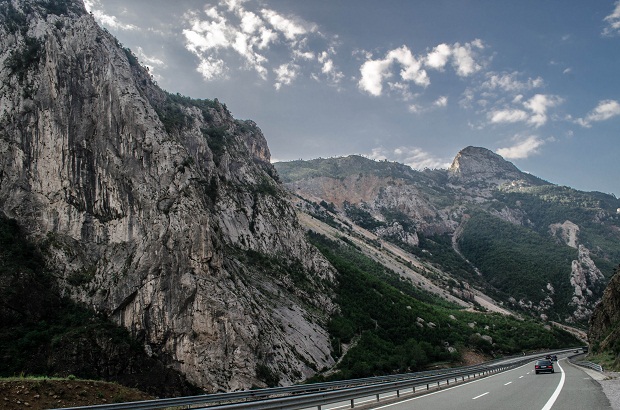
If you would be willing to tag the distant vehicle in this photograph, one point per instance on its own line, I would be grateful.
(554, 358)
(548, 357)
(544, 366)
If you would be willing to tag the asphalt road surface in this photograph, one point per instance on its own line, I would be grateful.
(521, 388)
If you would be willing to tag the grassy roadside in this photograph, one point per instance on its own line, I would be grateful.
(47, 393)
(607, 359)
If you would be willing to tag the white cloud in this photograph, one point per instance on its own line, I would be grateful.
(507, 116)
(94, 7)
(438, 58)
(539, 104)
(463, 58)
(271, 44)
(441, 101)
(412, 69)
(286, 73)
(612, 22)
(522, 149)
(375, 71)
(604, 110)
(149, 61)
(290, 28)
(211, 68)
(510, 82)
(414, 157)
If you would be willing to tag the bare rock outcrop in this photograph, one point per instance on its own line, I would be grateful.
(604, 329)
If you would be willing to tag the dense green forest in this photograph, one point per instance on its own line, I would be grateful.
(520, 262)
(595, 213)
(393, 327)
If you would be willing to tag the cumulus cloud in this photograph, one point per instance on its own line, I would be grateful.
(439, 56)
(285, 74)
(412, 69)
(266, 41)
(612, 22)
(414, 157)
(532, 111)
(464, 61)
(539, 104)
(523, 148)
(374, 72)
(604, 110)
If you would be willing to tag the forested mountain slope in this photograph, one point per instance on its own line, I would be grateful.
(535, 247)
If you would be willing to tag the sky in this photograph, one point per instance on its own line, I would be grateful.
(415, 81)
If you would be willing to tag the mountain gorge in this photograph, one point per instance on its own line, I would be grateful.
(145, 232)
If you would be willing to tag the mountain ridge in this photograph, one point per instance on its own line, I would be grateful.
(403, 206)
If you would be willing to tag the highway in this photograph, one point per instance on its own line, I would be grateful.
(570, 387)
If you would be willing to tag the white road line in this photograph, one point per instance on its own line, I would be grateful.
(468, 383)
(520, 377)
(477, 397)
(557, 391)
(506, 384)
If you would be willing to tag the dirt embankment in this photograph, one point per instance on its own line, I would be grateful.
(49, 394)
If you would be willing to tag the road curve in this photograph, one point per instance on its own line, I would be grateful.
(568, 388)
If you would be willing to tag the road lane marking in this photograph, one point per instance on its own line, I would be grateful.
(506, 384)
(477, 397)
(557, 391)
(520, 377)
(467, 383)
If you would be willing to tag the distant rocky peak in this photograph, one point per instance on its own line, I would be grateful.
(477, 163)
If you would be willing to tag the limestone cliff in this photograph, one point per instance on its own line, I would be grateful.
(161, 212)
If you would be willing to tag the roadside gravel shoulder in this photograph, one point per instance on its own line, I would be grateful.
(611, 388)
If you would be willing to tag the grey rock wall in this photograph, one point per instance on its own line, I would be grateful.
(150, 223)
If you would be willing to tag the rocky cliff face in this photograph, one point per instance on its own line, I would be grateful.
(160, 211)
(604, 332)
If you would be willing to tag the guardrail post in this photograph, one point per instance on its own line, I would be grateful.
(427, 386)
(352, 403)
(397, 393)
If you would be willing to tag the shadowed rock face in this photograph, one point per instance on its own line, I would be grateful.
(604, 332)
(160, 211)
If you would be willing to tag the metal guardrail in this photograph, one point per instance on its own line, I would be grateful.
(590, 365)
(318, 394)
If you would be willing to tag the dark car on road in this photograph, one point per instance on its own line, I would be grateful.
(543, 366)
(554, 358)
